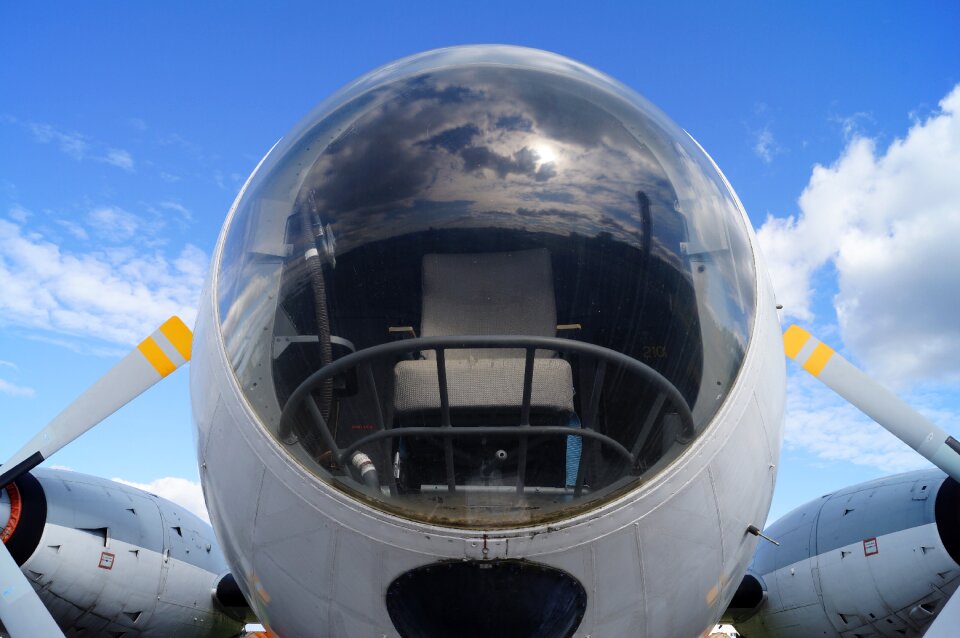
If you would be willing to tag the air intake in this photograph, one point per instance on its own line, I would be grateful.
(478, 599)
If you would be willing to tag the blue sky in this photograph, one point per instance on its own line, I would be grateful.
(127, 128)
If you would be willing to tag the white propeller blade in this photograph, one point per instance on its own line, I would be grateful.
(905, 423)
(157, 356)
(21, 611)
(946, 623)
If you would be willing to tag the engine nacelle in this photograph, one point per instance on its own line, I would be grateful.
(879, 558)
(109, 559)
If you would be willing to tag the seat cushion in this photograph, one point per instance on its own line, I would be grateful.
(483, 383)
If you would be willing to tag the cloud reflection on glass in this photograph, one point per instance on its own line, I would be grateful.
(493, 149)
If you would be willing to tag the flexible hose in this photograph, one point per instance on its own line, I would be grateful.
(315, 269)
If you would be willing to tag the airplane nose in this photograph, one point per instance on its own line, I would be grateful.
(487, 288)
(478, 599)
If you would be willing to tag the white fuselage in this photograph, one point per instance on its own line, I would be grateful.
(661, 560)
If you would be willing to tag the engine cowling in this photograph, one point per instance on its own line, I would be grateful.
(879, 558)
(113, 560)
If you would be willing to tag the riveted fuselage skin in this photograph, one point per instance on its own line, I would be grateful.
(870, 560)
(663, 559)
(112, 558)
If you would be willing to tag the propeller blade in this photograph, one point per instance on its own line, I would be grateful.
(22, 612)
(157, 356)
(905, 423)
(945, 624)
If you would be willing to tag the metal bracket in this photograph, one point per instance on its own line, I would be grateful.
(281, 343)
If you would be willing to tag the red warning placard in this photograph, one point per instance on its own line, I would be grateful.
(106, 560)
(870, 547)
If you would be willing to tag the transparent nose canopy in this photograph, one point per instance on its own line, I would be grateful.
(486, 287)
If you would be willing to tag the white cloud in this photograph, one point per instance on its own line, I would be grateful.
(119, 158)
(118, 294)
(853, 126)
(820, 422)
(74, 229)
(19, 214)
(182, 210)
(12, 389)
(73, 144)
(113, 223)
(79, 346)
(888, 223)
(187, 494)
(760, 128)
(15, 390)
(79, 146)
(766, 146)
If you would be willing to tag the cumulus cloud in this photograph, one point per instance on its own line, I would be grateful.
(887, 220)
(853, 126)
(116, 294)
(181, 491)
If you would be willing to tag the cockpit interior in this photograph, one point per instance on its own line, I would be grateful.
(486, 294)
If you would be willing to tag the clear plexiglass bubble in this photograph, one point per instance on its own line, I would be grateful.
(486, 287)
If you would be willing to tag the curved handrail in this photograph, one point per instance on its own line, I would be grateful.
(490, 430)
(441, 344)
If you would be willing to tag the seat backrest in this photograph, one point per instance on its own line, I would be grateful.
(508, 293)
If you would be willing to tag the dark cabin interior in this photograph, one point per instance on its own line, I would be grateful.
(623, 297)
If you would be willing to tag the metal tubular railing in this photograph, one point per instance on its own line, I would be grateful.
(445, 418)
(592, 438)
(381, 425)
(490, 430)
(525, 417)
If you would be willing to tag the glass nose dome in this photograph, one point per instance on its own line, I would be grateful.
(485, 287)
